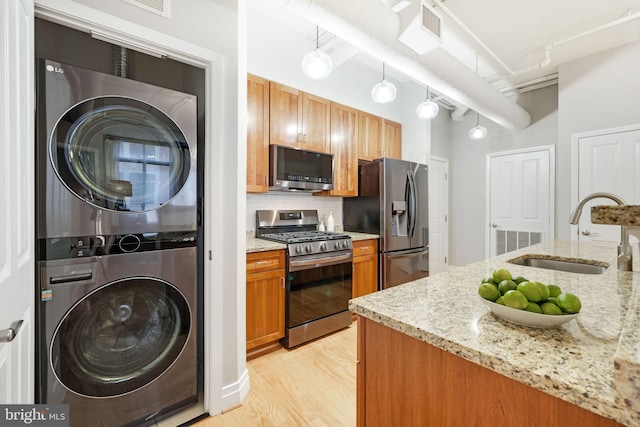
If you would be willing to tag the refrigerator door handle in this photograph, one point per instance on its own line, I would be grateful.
(407, 254)
(412, 204)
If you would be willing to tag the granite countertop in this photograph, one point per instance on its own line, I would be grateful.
(261, 245)
(591, 361)
(616, 215)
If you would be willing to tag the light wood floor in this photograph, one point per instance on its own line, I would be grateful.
(312, 385)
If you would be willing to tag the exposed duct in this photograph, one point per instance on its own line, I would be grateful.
(358, 22)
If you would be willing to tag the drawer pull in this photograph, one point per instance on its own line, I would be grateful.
(262, 262)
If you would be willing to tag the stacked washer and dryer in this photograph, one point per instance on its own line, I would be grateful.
(116, 229)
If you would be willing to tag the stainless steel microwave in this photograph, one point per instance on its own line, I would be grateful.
(293, 169)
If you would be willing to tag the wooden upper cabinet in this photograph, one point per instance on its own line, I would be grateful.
(370, 136)
(257, 134)
(391, 139)
(284, 115)
(298, 119)
(344, 147)
(316, 123)
(379, 138)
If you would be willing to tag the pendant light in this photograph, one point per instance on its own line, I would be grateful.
(384, 91)
(427, 109)
(316, 64)
(477, 132)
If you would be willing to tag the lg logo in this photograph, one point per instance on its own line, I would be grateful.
(55, 69)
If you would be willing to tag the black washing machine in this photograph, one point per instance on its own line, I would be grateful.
(118, 331)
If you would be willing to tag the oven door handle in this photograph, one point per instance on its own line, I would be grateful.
(308, 263)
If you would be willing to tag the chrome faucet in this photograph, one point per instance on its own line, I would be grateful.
(625, 258)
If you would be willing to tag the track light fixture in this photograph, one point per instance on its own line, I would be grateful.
(317, 65)
(384, 91)
(427, 109)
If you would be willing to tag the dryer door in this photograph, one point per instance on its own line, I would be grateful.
(120, 154)
(120, 337)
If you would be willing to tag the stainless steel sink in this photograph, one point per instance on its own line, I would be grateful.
(571, 265)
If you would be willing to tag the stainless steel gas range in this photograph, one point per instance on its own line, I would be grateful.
(318, 276)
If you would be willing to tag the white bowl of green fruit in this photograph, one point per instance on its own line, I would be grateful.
(527, 303)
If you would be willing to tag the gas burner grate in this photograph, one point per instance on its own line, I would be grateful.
(303, 236)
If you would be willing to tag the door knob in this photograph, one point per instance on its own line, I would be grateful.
(7, 335)
(586, 232)
(494, 225)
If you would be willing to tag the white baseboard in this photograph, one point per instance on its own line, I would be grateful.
(235, 394)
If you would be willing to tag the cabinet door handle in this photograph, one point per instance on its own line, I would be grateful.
(282, 280)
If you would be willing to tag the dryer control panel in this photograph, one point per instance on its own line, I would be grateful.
(87, 246)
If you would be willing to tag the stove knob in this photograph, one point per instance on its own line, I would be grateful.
(323, 246)
(337, 245)
(298, 250)
(308, 247)
(345, 244)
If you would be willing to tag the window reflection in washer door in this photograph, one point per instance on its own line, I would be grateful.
(120, 154)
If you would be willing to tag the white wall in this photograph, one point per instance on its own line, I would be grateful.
(286, 200)
(441, 134)
(416, 132)
(467, 172)
(598, 92)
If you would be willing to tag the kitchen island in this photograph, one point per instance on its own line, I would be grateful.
(430, 353)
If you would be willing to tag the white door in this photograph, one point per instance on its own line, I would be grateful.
(520, 199)
(607, 162)
(17, 215)
(438, 215)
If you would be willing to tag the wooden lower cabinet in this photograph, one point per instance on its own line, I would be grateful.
(402, 381)
(365, 267)
(265, 297)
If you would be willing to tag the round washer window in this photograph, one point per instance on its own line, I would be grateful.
(120, 154)
(120, 337)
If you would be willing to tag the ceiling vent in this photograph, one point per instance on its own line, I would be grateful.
(160, 7)
(420, 27)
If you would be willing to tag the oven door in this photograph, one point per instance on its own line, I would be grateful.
(317, 288)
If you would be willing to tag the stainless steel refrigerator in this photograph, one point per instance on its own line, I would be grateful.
(393, 203)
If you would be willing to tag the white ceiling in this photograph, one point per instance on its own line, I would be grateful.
(517, 32)
(509, 38)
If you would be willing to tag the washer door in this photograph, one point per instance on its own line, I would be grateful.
(120, 154)
(120, 337)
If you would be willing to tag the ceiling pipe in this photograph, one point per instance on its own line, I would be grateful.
(546, 54)
(358, 22)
